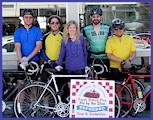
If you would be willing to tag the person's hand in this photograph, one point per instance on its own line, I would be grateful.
(23, 65)
(25, 59)
(87, 69)
(127, 63)
(52, 64)
(58, 68)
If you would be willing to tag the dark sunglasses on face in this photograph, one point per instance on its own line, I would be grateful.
(119, 29)
(26, 17)
(52, 23)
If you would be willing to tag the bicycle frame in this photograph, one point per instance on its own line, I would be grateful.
(56, 87)
(130, 78)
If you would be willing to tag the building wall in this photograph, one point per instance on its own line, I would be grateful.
(12, 9)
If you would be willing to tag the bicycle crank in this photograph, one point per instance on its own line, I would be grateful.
(139, 105)
(62, 109)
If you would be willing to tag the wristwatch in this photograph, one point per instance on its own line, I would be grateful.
(123, 62)
(130, 60)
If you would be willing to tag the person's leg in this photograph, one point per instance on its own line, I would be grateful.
(115, 74)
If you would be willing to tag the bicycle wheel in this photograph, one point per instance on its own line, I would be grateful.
(126, 99)
(25, 102)
(64, 92)
(117, 106)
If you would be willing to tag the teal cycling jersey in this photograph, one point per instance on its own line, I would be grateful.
(97, 42)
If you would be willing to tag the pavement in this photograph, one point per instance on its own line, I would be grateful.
(9, 113)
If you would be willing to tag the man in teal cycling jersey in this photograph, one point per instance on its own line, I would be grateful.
(97, 34)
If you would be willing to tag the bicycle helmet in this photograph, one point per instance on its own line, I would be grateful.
(118, 23)
(28, 12)
(96, 11)
(54, 16)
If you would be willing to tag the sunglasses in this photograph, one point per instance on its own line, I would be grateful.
(26, 17)
(119, 29)
(52, 23)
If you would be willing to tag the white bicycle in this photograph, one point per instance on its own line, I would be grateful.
(43, 101)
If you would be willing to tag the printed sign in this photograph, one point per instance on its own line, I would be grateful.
(92, 99)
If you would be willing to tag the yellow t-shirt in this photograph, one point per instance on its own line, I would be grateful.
(119, 49)
(52, 45)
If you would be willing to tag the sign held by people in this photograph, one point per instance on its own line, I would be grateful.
(92, 99)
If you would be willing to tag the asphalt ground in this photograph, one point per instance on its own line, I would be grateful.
(9, 113)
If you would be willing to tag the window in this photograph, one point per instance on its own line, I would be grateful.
(9, 47)
(47, 12)
(62, 11)
(34, 10)
(7, 6)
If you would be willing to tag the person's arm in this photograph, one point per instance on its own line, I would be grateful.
(133, 51)
(18, 51)
(132, 56)
(62, 53)
(110, 56)
(44, 56)
(38, 46)
(85, 50)
(18, 45)
(86, 43)
(36, 50)
(42, 52)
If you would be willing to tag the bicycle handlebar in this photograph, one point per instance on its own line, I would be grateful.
(32, 68)
(102, 65)
(98, 65)
(73, 76)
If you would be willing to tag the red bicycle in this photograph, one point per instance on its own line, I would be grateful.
(128, 94)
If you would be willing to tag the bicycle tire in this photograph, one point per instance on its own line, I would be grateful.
(64, 92)
(117, 106)
(26, 109)
(124, 97)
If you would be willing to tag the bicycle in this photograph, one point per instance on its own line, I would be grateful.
(97, 68)
(10, 91)
(46, 102)
(128, 95)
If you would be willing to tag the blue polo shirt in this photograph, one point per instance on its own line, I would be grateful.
(28, 39)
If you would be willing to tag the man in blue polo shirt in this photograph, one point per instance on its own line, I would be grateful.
(28, 39)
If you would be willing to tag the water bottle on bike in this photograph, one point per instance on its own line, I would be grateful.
(139, 92)
(146, 90)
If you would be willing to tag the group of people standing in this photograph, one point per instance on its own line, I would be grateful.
(76, 50)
